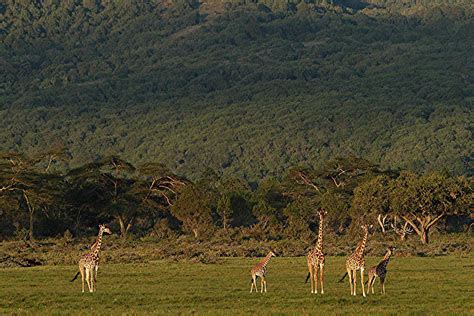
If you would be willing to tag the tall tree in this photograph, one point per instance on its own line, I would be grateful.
(193, 209)
(422, 200)
(113, 177)
(30, 186)
(332, 184)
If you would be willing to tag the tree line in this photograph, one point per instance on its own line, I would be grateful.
(40, 198)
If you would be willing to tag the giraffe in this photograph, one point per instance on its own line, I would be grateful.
(260, 270)
(356, 262)
(89, 262)
(315, 258)
(93, 248)
(380, 270)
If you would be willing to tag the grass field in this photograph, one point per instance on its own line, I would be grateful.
(438, 285)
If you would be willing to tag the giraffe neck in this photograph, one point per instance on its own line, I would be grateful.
(98, 243)
(361, 247)
(387, 255)
(319, 243)
(265, 260)
(386, 258)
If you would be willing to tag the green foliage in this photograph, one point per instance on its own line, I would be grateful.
(224, 209)
(421, 200)
(194, 210)
(247, 88)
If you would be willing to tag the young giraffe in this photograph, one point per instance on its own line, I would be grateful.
(260, 270)
(380, 271)
(315, 259)
(89, 262)
(356, 262)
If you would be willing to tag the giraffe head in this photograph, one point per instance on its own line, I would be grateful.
(104, 229)
(322, 213)
(367, 228)
(272, 254)
(391, 249)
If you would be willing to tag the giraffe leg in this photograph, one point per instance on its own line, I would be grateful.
(88, 280)
(252, 283)
(315, 279)
(265, 283)
(354, 280)
(92, 280)
(373, 283)
(321, 277)
(362, 281)
(261, 284)
(370, 283)
(349, 274)
(311, 278)
(382, 283)
(81, 269)
(95, 277)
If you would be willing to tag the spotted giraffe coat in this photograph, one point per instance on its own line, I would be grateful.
(356, 260)
(315, 256)
(260, 269)
(380, 270)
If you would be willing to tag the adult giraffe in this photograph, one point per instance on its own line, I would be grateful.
(89, 262)
(356, 262)
(315, 258)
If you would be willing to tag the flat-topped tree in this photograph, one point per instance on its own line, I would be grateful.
(158, 185)
(371, 199)
(193, 209)
(411, 202)
(337, 175)
(112, 177)
(331, 184)
(157, 189)
(56, 154)
(23, 180)
(422, 200)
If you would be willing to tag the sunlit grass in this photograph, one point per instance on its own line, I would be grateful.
(442, 285)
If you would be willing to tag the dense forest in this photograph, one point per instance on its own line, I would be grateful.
(247, 88)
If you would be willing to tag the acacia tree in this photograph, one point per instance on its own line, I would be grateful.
(22, 181)
(231, 204)
(113, 178)
(422, 200)
(193, 209)
(371, 198)
(157, 189)
(158, 186)
(332, 184)
(224, 209)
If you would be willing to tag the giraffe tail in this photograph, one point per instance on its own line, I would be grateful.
(75, 277)
(307, 278)
(343, 277)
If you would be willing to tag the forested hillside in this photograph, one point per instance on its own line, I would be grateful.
(245, 87)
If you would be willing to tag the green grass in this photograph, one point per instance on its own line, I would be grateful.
(438, 285)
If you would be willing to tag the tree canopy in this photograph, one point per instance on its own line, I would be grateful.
(248, 88)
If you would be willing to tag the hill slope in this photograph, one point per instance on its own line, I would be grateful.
(248, 89)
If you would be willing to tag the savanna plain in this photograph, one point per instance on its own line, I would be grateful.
(415, 285)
